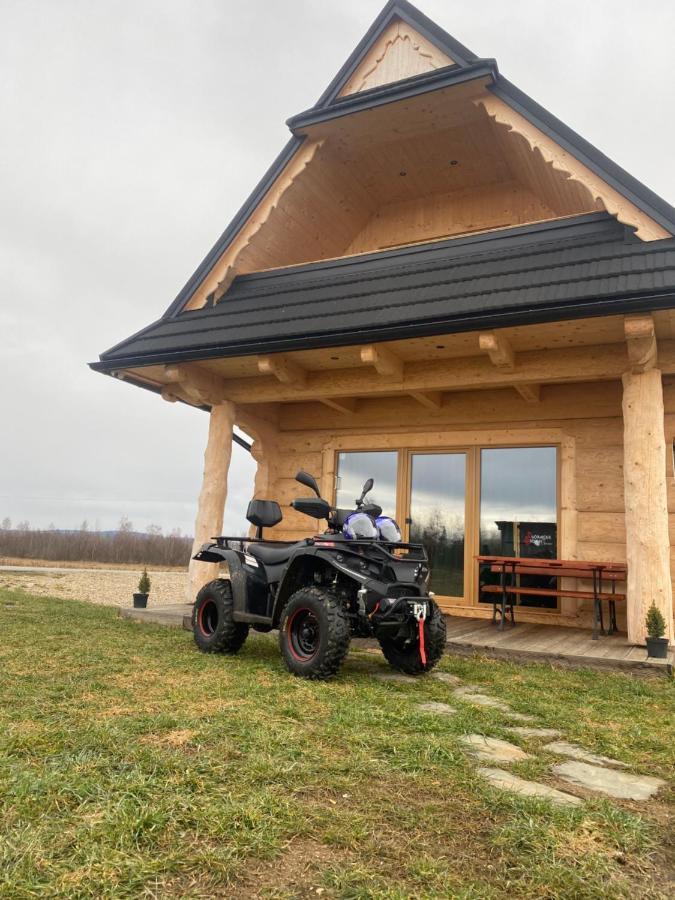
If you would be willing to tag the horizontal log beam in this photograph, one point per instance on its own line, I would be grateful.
(605, 362)
(284, 369)
(383, 360)
(498, 349)
(194, 384)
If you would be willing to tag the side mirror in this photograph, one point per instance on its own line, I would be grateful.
(306, 479)
(368, 486)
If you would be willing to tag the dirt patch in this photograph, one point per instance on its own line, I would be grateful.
(105, 587)
(296, 873)
(178, 737)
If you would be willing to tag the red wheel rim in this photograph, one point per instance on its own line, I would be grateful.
(304, 635)
(207, 618)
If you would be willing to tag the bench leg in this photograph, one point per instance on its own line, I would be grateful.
(612, 618)
(597, 613)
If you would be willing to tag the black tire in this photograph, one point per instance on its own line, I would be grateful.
(408, 659)
(314, 634)
(213, 626)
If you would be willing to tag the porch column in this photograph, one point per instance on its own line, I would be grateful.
(211, 506)
(265, 436)
(646, 500)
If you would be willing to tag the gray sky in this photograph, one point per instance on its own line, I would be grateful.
(132, 130)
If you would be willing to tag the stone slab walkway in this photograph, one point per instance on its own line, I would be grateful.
(582, 768)
(441, 709)
(507, 781)
(621, 785)
(563, 748)
(493, 749)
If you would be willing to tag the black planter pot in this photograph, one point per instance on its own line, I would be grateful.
(140, 601)
(657, 648)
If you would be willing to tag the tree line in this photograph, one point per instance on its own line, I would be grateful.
(123, 545)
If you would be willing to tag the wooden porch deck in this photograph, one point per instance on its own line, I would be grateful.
(552, 644)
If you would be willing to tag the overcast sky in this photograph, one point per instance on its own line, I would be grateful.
(130, 133)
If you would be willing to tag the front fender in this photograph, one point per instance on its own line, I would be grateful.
(214, 553)
(300, 571)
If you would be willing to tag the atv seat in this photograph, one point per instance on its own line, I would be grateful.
(272, 555)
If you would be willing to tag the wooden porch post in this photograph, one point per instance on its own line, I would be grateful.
(645, 495)
(213, 494)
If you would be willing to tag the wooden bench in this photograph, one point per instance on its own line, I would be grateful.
(604, 576)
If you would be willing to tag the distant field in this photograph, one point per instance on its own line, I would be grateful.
(82, 564)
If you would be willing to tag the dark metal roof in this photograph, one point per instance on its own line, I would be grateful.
(584, 266)
(645, 199)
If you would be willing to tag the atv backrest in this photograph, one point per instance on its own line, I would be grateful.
(264, 513)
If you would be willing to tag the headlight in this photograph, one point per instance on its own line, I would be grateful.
(421, 572)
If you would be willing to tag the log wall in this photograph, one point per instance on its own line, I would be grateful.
(585, 420)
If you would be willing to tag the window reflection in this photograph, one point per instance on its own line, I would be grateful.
(518, 510)
(437, 517)
(355, 468)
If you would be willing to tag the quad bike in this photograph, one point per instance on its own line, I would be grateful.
(357, 578)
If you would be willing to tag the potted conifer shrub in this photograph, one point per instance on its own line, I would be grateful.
(141, 597)
(657, 644)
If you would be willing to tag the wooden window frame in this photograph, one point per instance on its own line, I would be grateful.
(471, 444)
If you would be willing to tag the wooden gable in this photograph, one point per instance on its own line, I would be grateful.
(399, 52)
(416, 139)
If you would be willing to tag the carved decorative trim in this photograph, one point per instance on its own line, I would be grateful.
(562, 161)
(398, 31)
(225, 270)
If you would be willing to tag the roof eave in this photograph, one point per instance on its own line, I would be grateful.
(394, 92)
(620, 304)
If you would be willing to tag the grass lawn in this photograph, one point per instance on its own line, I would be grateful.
(133, 766)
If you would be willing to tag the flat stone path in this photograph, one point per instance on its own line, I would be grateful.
(582, 768)
(441, 709)
(621, 785)
(507, 781)
(446, 677)
(493, 749)
(533, 732)
(563, 748)
(397, 678)
(471, 693)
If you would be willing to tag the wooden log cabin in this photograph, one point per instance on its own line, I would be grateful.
(440, 285)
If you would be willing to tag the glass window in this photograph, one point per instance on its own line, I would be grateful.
(519, 509)
(437, 504)
(354, 469)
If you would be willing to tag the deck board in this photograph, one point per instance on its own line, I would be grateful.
(552, 643)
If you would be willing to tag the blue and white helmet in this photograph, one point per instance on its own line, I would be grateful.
(359, 525)
(387, 529)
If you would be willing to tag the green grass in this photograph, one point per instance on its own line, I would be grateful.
(133, 766)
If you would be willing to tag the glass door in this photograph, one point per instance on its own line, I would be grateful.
(437, 516)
